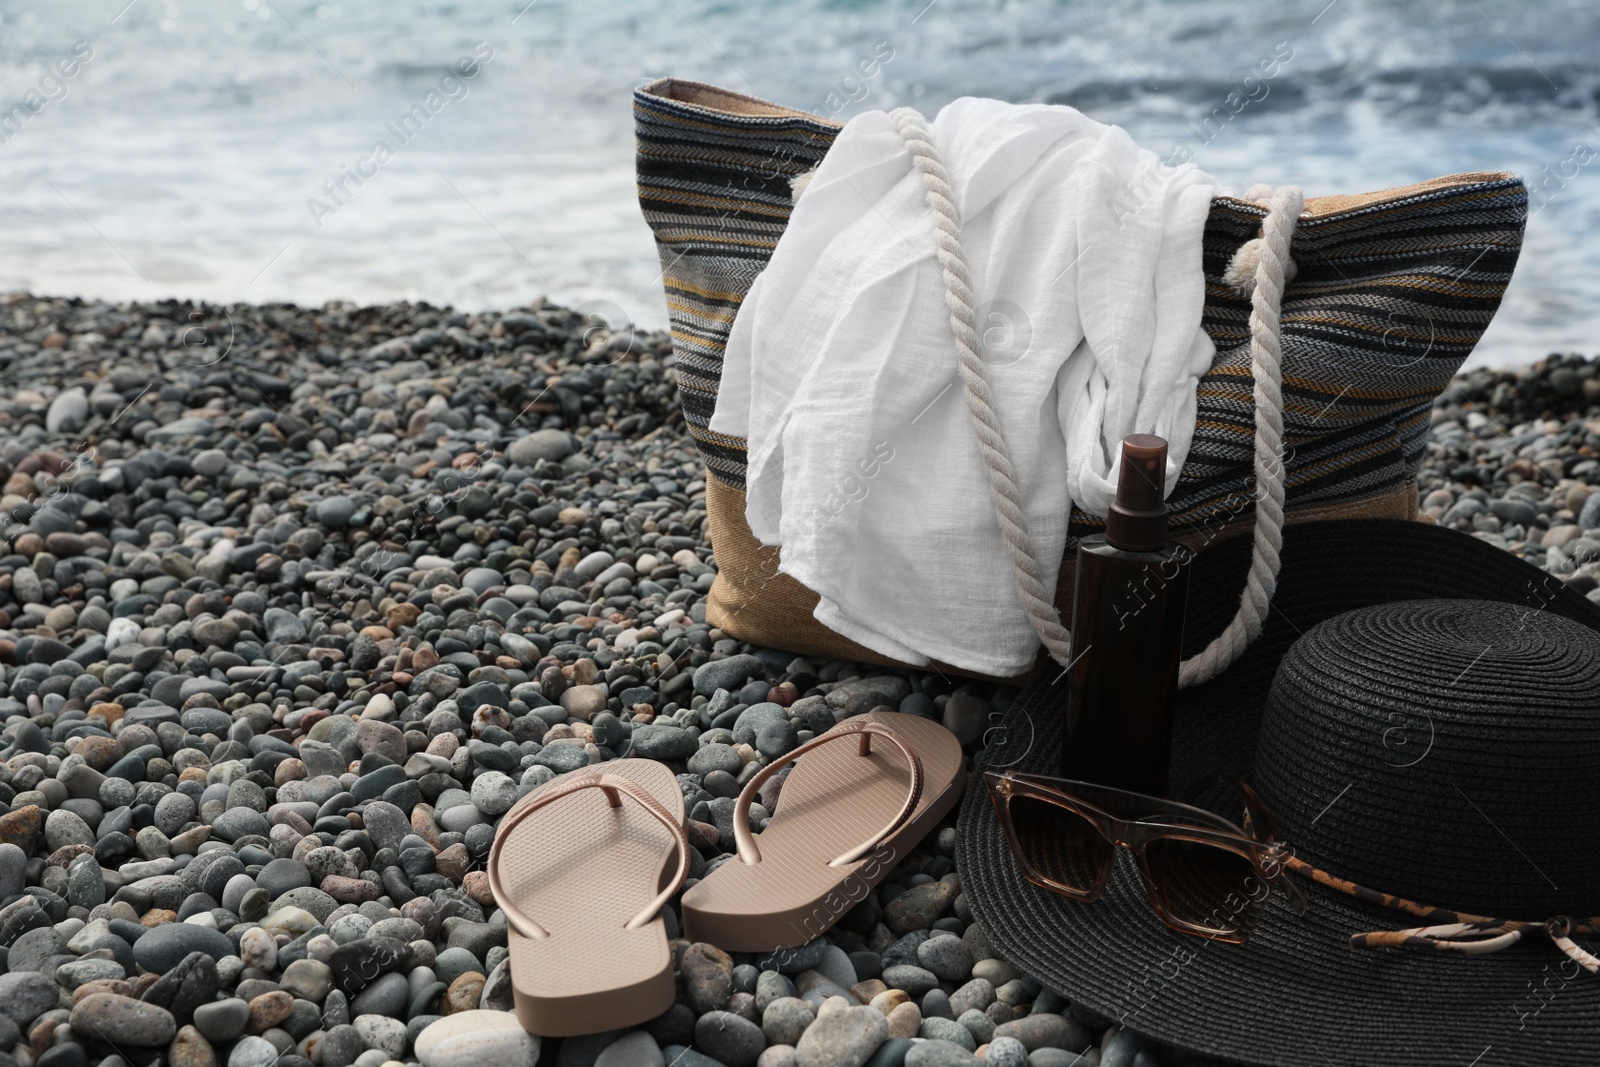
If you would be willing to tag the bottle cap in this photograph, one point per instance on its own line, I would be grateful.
(1137, 521)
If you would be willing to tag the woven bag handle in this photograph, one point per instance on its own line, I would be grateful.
(1271, 261)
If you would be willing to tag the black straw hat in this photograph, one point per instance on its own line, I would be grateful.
(1433, 732)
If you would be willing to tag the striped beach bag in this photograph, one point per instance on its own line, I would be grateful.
(1391, 290)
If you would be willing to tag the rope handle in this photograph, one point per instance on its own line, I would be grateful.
(1273, 269)
(865, 729)
(1272, 266)
(614, 786)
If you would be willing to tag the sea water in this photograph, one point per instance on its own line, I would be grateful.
(480, 154)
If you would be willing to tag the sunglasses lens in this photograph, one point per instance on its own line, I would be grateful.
(1061, 845)
(1206, 887)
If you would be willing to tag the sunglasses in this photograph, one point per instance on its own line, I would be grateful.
(1204, 875)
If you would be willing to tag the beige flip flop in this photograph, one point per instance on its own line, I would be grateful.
(580, 868)
(849, 811)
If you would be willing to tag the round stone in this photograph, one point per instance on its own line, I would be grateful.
(785, 1020)
(222, 1020)
(728, 1038)
(845, 1036)
(715, 757)
(476, 1039)
(123, 1020)
(253, 1052)
(493, 793)
(1006, 1052)
(160, 949)
(540, 446)
(209, 462)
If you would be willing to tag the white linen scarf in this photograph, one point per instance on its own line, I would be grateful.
(841, 369)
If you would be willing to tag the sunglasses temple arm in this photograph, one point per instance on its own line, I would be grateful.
(1289, 888)
(1258, 820)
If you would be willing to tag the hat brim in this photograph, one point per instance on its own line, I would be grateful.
(1296, 992)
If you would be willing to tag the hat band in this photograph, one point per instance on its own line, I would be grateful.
(1455, 931)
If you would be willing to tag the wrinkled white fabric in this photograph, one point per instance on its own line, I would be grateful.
(841, 367)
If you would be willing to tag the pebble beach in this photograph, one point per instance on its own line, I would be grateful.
(1514, 458)
(295, 603)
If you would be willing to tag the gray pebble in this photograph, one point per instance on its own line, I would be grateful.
(936, 1005)
(1044, 1030)
(12, 873)
(794, 960)
(950, 1030)
(25, 995)
(978, 1024)
(914, 980)
(634, 1049)
(947, 956)
(940, 1054)
(715, 757)
(493, 793)
(1007, 1052)
(540, 445)
(382, 1033)
(223, 1020)
(342, 1045)
(842, 1038)
(731, 1039)
(777, 739)
(785, 1019)
(656, 741)
(252, 1052)
(966, 716)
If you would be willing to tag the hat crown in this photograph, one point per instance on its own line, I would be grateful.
(1447, 751)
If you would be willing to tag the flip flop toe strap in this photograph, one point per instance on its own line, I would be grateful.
(614, 786)
(865, 730)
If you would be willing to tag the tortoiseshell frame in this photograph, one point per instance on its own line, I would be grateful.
(1153, 819)
(1258, 840)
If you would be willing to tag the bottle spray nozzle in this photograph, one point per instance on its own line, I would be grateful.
(1137, 521)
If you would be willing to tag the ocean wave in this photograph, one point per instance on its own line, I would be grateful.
(194, 140)
(1511, 92)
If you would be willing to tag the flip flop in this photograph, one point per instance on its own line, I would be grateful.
(580, 869)
(858, 798)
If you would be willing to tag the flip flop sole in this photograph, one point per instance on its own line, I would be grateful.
(583, 869)
(834, 799)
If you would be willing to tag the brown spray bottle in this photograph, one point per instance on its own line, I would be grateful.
(1131, 585)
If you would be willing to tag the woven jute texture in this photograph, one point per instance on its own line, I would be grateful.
(1392, 291)
(751, 597)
